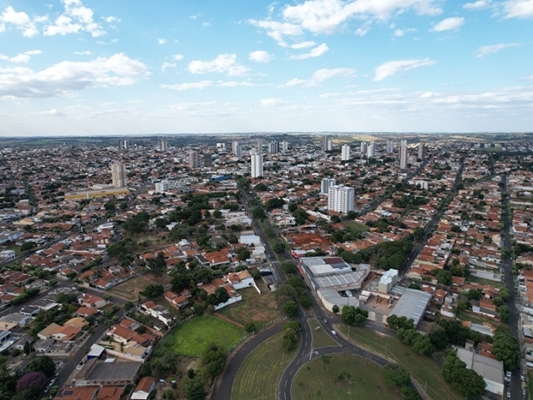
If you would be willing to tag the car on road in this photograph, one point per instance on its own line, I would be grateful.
(333, 332)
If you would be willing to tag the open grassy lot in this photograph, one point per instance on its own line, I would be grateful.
(425, 370)
(320, 338)
(355, 226)
(259, 374)
(363, 380)
(498, 285)
(130, 289)
(192, 337)
(260, 308)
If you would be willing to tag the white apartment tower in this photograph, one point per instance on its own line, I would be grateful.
(256, 161)
(284, 146)
(118, 174)
(371, 150)
(421, 150)
(236, 149)
(345, 152)
(326, 143)
(341, 198)
(390, 146)
(123, 144)
(259, 146)
(163, 145)
(326, 184)
(403, 154)
(363, 148)
(273, 147)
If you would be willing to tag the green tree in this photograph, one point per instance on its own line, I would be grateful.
(153, 291)
(290, 338)
(444, 277)
(326, 360)
(250, 327)
(290, 308)
(195, 389)
(422, 344)
(26, 246)
(410, 394)
(354, 316)
(42, 364)
(259, 213)
(279, 248)
(506, 349)
(467, 381)
(213, 360)
(394, 375)
(335, 309)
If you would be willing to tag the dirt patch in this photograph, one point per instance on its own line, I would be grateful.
(130, 289)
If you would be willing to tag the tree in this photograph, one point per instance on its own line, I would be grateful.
(444, 277)
(213, 360)
(243, 253)
(394, 375)
(290, 308)
(289, 268)
(456, 228)
(33, 381)
(467, 381)
(153, 291)
(259, 213)
(27, 348)
(422, 344)
(279, 248)
(506, 349)
(354, 316)
(43, 364)
(27, 246)
(290, 338)
(250, 327)
(504, 294)
(195, 390)
(326, 360)
(410, 394)
(335, 309)
(418, 233)
(335, 219)
(439, 339)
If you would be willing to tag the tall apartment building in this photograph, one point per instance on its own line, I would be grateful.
(259, 146)
(326, 143)
(273, 147)
(403, 154)
(390, 146)
(119, 175)
(256, 161)
(326, 184)
(208, 160)
(123, 144)
(284, 146)
(194, 160)
(341, 198)
(371, 151)
(236, 149)
(364, 147)
(345, 152)
(421, 151)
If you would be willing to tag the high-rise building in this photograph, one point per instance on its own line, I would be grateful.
(236, 149)
(326, 143)
(284, 146)
(371, 151)
(163, 145)
(208, 160)
(345, 152)
(421, 150)
(119, 175)
(364, 146)
(162, 186)
(256, 162)
(259, 146)
(194, 160)
(273, 147)
(326, 184)
(403, 154)
(123, 144)
(341, 198)
(390, 146)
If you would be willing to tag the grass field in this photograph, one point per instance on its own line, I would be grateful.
(259, 374)
(482, 281)
(320, 338)
(312, 381)
(356, 226)
(260, 308)
(130, 289)
(192, 337)
(425, 370)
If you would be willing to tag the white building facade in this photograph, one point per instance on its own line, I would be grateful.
(341, 198)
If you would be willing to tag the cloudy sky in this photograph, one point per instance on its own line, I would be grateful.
(87, 67)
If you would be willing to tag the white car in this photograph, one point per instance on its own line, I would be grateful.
(332, 331)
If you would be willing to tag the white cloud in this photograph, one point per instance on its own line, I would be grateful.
(186, 86)
(20, 20)
(362, 30)
(430, 95)
(166, 65)
(449, 24)
(320, 76)
(54, 112)
(477, 5)
(260, 56)
(390, 68)
(303, 45)
(67, 77)
(235, 84)
(21, 57)
(402, 32)
(518, 9)
(493, 48)
(178, 57)
(223, 63)
(316, 52)
(83, 53)
(161, 40)
(76, 18)
(272, 102)
(277, 30)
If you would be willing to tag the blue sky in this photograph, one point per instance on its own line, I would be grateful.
(85, 67)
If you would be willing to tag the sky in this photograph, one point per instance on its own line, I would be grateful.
(87, 67)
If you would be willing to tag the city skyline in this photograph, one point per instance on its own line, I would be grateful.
(75, 68)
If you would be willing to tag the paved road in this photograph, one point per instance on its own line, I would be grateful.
(507, 264)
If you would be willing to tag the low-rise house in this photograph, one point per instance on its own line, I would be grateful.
(158, 312)
(143, 389)
(176, 300)
(91, 300)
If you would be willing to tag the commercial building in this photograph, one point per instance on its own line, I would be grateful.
(341, 198)
(256, 161)
(490, 370)
(388, 280)
(119, 175)
(345, 152)
(412, 304)
(325, 185)
(403, 154)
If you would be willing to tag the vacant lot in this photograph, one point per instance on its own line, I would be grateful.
(355, 226)
(426, 371)
(320, 337)
(258, 376)
(260, 308)
(130, 289)
(345, 377)
(192, 337)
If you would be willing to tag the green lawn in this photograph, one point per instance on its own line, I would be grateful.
(498, 285)
(363, 381)
(355, 226)
(426, 371)
(320, 338)
(258, 376)
(260, 308)
(192, 337)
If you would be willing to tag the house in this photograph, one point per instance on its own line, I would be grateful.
(176, 300)
(47, 332)
(77, 393)
(91, 300)
(86, 311)
(158, 312)
(240, 280)
(66, 333)
(110, 393)
(143, 389)
(16, 318)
